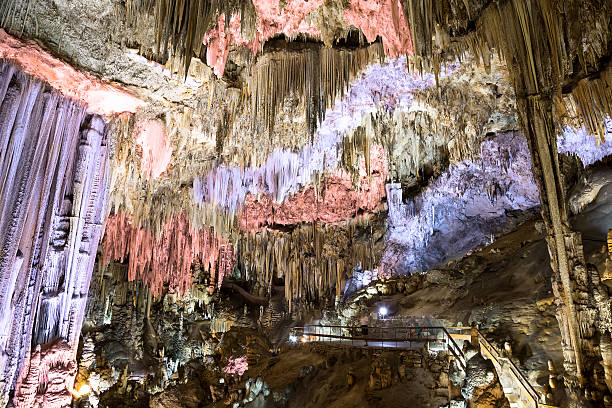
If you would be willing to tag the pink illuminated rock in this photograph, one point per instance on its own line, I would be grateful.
(217, 46)
(100, 97)
(48, 378)
(383, 18)
(291, 20)
(226, 265)
(337, 201)
(236, 365)
(382, 86)
(156, 149)
(164, 260)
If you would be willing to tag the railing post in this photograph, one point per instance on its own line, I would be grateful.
(395, 336)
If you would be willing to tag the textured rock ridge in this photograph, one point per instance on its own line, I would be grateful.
(52, 370)
(99, 97)
(462, 208)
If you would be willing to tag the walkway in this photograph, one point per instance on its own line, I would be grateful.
(518, 390)
(436, 338)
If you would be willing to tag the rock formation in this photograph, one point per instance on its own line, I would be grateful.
(54, 184)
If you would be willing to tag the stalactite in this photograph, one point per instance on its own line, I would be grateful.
(338, 199)
(581, 143)
(313, 259)
(53, 193)
(284, 172)
(226, 265)
(163, 261)
(317, 74)
(540, 40)
(443, 125)
(180, 25)
(354, 145)
(593, 98)
(460, 209)
(385, 18)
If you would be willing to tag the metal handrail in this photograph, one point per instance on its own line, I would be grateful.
(461, 359)
(452, 346)
(514, 369)
(516, 372)
(385, 328)
(425, 335)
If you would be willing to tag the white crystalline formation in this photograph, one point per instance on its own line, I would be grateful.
(53, 188)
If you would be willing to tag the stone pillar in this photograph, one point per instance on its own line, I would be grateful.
(474, 336)
(564, 246)
(607, 275)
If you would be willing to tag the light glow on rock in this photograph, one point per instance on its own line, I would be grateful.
(236, 366)
(338, 199)
(165, 260)
(382, 86)
(584, 145)
(156, 149)
(383, 18)
(99, 97)
(461, 209)
(271, 20)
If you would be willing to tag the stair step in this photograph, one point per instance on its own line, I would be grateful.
(513, 398)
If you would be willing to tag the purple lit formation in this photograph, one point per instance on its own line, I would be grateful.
(53, 166)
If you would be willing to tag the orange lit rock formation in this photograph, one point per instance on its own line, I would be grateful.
(338, 199)
(165, 260)
(100, 97)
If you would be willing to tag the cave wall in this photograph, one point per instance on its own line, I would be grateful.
(54, 178)
(466, 206)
